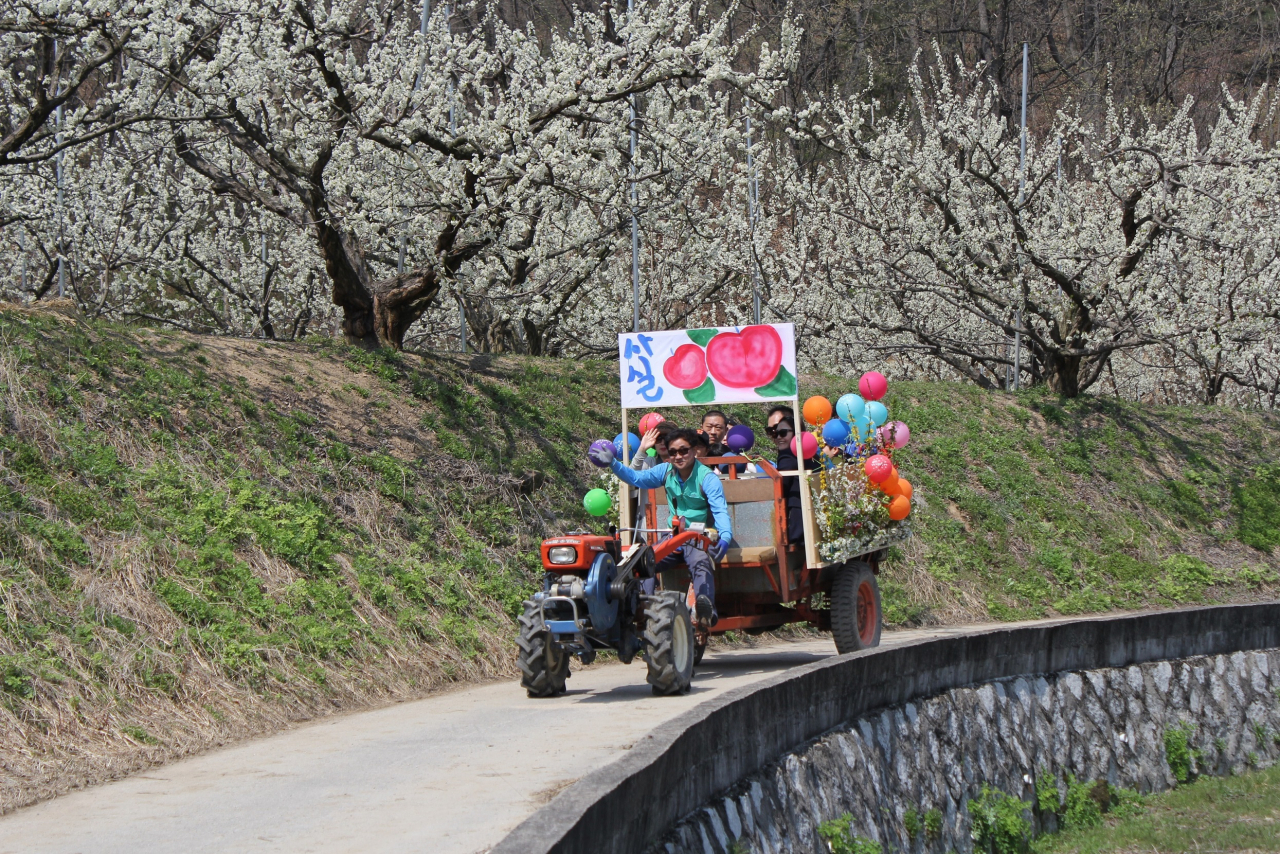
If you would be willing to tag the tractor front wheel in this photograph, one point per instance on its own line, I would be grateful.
(856, 618)
(543, 663)
(668, 643)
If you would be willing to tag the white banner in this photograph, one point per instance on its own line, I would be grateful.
(700, 367)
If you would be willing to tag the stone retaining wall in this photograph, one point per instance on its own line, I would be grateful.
(627, 806)
(1106, 724)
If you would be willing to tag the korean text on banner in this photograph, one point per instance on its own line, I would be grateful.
(694, 367)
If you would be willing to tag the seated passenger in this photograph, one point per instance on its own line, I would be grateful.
(656, 439)
(715, 425)
(781, 429)
(694, 493)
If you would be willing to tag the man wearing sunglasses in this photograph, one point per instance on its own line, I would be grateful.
(694, 493)
(781, 429)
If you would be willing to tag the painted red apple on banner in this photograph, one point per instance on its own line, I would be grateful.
(686, 368)
(746, 359)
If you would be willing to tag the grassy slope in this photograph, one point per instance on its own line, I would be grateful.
(1213, 814)
(202, 538)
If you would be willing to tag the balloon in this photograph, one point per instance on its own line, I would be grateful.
(877, 412)
(873, 385)
(599, 444)
(836, 432)
(850, 407)
(904, 488)
(895, 434)
(878, 468)
(891, 484)
(597, 502)
(899, 507)
(808, 445)
(866, 428)
(633, 444)
(648, 422)
(817, 411)
(740, 438)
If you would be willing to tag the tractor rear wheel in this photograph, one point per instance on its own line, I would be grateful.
(543, 663)
(856, 617)
(668, 643)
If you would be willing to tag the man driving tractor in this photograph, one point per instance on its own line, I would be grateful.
(694, 493)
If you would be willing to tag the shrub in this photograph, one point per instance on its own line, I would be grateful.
(1000, 823)
(839, 835)
(1177, 751)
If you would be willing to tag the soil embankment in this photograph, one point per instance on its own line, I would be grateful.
(204, 538)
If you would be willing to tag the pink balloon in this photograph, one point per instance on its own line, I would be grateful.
(895, 434)
(808, 445)
(873, 385)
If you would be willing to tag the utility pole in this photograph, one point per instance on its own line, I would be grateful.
(635, 202)
(1022, 191)
(753, 207)
(62, 242)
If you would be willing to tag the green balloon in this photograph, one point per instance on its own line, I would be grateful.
(597, 502)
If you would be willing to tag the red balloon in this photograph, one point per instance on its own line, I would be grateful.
(873, 385)
(878, 468)
(648, 422)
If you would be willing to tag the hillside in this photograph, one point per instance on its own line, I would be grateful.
(204, 538)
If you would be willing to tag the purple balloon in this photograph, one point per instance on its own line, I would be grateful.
(601, 445)
(740, 438)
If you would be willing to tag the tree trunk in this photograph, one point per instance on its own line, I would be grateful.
(1062, 373)
(398, 302)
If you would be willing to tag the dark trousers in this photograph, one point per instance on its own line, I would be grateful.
(700, 570)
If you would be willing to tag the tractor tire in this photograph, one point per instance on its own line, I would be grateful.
(856, 616)
(668, 643)
(543, 663)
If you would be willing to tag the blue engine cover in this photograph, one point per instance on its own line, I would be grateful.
(603, 610)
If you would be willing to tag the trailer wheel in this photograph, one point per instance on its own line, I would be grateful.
(668, 643)
(543, 663)
(699, 650)
(856, 617)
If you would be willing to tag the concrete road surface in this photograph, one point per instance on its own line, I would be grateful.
(448, 774)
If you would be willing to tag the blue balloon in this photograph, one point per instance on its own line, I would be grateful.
(633, 442)
(866, 428)
(877, 412)
(836, 432)
(850, 407)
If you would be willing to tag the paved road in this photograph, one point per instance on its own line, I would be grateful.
(449, 774)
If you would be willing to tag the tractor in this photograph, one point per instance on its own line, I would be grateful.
(592, 598)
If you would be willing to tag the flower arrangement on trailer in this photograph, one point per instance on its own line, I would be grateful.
(860, 501)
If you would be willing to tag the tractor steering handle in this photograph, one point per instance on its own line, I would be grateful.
(679, 541)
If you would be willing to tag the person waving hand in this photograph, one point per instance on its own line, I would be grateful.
(694, 493)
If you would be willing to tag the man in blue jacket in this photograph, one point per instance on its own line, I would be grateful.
(693, 492)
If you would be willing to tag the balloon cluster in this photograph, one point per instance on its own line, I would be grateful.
(861, 433)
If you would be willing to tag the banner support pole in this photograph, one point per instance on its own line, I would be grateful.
(624, 491)
(806, 500)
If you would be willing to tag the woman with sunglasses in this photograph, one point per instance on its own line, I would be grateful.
(781, 429)
(694, 493)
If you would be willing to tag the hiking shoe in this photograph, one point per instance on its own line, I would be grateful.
(706, 611)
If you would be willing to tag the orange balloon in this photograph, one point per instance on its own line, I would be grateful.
(817, 411)
(904, 488)
(890, 486)
(899, 507)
